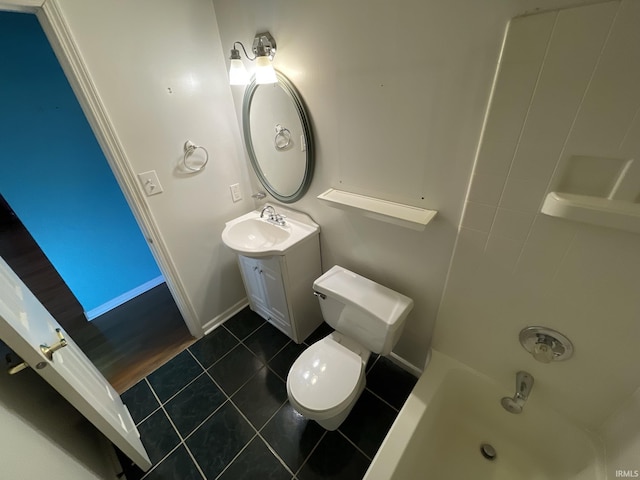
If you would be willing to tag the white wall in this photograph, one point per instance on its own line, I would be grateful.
(397, 93)
(42, 433)
(569, 85)
(159, 70)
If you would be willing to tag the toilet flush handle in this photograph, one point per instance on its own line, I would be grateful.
(318, 294)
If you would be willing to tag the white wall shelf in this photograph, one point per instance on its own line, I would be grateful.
(619, 214)
(406, 216)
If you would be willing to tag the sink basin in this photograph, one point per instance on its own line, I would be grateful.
(252, 236)
(256, 234)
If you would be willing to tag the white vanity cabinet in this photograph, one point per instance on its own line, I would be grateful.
(280, 288)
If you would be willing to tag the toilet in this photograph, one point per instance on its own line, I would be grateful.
(327, 379)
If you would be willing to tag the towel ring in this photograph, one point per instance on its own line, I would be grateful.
(283, 138)
(189, 148)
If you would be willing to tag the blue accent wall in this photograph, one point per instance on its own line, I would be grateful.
(54, 175)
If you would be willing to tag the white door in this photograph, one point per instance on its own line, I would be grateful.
(25, 325)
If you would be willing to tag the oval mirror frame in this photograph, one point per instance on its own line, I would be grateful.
(296, 99)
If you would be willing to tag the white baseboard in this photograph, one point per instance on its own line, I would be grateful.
(224, 316)
(125, 297)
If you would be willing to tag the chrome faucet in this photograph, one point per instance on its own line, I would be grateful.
(268, 207)
(524, 385)
(273, 217)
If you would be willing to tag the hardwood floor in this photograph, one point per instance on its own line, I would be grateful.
(125, 344)
(132, 340)
(24, 256)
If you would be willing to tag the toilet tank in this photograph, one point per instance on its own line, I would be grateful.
(363, 310)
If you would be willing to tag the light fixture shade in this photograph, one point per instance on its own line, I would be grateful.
(238, 74)
(264, 71)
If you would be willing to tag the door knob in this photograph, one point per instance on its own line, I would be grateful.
(21, 366)
(49, 351)
(18, 368)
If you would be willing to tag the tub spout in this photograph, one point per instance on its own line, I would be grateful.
(524, 385)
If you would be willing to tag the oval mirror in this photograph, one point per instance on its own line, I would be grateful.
(278, 137)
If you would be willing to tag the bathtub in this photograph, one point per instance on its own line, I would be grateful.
(453, 410)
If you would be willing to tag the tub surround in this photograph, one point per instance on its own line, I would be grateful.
(563, 101)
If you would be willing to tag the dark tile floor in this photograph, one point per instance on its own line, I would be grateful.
(220, 410)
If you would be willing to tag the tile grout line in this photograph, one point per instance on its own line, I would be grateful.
(219, 359)
(261, 437)
(147, 417)
(277, 375)
(179, 391)
(181, 440)
(157, 464)
(256, 435)
(205, 420)
(227, 399)
(383, 400)
(274, 453)
(206, 370)
(257, 432)
(324, 434)
(272, 356)
(354, 445)
(236, 456)
(271, 448)
(271, 417)
(367, 370)
(247, 335)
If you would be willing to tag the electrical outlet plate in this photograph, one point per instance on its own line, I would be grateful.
(150, 182)
(236, 194)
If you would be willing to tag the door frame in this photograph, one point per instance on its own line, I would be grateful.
(56, 29)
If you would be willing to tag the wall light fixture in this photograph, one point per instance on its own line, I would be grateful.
(264, 49)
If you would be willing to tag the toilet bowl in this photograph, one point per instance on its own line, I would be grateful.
(326, 380)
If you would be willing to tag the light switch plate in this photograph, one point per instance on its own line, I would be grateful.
(150, 183)
(236, 194)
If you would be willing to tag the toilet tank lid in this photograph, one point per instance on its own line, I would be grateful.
(353, 289)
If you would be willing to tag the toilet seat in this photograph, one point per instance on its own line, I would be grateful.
(325, 377)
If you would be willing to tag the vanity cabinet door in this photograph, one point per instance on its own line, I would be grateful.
(251, 268)
(274, 290)
(265, 289)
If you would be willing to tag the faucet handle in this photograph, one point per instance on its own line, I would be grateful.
(543, 353)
